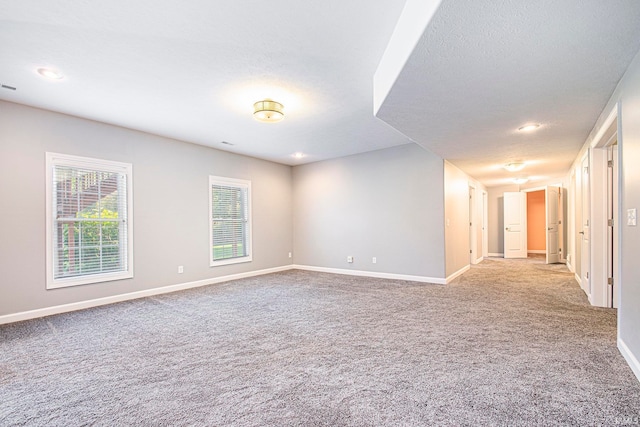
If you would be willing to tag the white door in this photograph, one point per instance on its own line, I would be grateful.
(472, 233)
(485, 227)
(585, 253)
(612, 231)
(552, 197)
(515, 225)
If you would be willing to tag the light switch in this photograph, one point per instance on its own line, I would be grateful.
(631, 217)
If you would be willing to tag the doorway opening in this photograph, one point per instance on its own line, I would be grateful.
(603, 204)
(533, 221)
(478, 240)
(536, 211)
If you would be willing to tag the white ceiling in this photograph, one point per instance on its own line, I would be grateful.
(192, 71)
(483, 69)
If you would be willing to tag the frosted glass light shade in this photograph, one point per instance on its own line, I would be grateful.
(268, 111)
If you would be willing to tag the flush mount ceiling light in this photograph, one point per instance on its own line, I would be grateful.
(268, 111)
(298, 155)
(50, 73)
(529, 127)
(519, 181)
(514, 167)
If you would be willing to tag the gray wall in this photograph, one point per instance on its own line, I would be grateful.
(628, 93)
(170, 206)
(386, 204)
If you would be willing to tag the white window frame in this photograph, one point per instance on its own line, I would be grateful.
(239, 183)
(56, 159)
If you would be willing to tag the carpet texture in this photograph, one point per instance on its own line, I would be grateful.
(511, 342)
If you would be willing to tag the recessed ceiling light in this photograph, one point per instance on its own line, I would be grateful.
(50, 73)
(514, 167)
(529, 127)
(298, 155)
(522, 180)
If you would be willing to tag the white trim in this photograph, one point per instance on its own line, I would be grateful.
(578, 279)
(570, 267)
(495, 255)
(424, 279)
(604, 127)
(534, 189)
(463, 270)
(479, 260)
(485, 224)
(238, 183)
(53, 159)
(536, 251)
(631, 359)
(81, 305)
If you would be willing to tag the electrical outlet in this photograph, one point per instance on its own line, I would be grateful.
(349, 259)
(374, 260)
(180, 269)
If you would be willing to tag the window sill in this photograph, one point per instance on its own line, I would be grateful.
(86, 280)
(231, 261)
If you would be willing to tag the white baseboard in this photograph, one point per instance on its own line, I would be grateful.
(569, 266)
(48, 311)
(457, 273)
(496, 255)
(536, 251)
(479, 260)
(423, 279)
(633, 362)
(578, 279)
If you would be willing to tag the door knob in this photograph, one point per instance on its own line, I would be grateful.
(581, 232)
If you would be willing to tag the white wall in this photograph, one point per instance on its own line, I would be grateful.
(412, 23)
(627, 94)
(386, 204)
(629, 312)
(456, 225)
(170, 206)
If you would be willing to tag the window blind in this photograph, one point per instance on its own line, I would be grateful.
(89, 224)
(229, 222)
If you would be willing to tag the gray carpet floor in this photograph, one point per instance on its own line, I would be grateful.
(508, 343)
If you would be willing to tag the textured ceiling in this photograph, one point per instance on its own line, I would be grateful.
(481, 70)
(192, 70)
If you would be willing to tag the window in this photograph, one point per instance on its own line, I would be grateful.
(230, 220)
(89, 229)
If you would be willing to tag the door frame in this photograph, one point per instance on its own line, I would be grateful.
(485, 224)
(606, 136)
(584, 226)
(473, 238)
(561, 245)
(555, 224)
